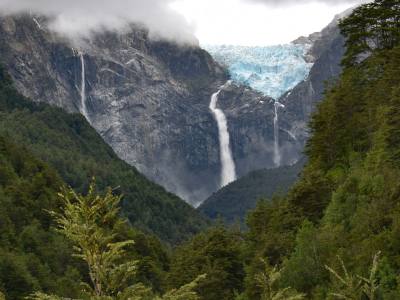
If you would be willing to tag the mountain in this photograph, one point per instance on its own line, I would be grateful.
(327, 51)
(325, 55)
(234, 201)
(34, 256)
(336, 232)
(148, 99)
(68, 144)
(300, 70)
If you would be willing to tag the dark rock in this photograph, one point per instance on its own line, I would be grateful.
(148, 100)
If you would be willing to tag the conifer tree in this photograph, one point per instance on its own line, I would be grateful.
(372, 26)
(90, 222)
(355, 287)
(267, 281)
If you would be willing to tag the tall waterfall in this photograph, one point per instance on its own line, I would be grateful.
(83, 109)
(228, 173)
(277, 152)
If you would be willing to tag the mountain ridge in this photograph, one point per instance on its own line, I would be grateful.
(68, 144)
(233, 202)
(149, 100)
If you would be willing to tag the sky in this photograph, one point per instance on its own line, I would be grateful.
(237, 22)
(257, 22)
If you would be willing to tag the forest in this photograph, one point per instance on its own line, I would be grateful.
(334, 235)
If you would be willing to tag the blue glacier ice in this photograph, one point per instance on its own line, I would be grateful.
(272, 70)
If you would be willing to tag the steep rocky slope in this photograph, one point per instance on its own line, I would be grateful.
(300, 102)
(147, 99)
(235, 200)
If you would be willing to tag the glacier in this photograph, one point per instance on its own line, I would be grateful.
(271, 70)
(228, 169)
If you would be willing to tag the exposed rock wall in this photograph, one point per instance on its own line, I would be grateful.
(148, 99)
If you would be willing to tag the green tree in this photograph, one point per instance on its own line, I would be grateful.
(303, 270)
(267, 281)
(91, 223)
(217, 253)
(354, 287)
(372, 26)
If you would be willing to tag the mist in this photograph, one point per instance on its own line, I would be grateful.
(76, 18)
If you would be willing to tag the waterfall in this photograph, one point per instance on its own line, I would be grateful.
(277, 152)
(83, 109)
(293, 137)
(228, 172)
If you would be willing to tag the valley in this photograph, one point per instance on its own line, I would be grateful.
(137, 162)
(149, 100)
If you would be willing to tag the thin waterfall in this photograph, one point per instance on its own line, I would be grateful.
(277, 152)
(228, 172)
(83, 109)
(292, 136)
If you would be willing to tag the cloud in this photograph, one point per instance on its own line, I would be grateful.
(82, 17)
(297, 2)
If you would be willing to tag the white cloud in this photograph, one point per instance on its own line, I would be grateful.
(252, 23)
(245, 22)
(297, 2)
(81, 17)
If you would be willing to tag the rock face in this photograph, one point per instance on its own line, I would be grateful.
(148, 99)
(235, 200)
(327, 51)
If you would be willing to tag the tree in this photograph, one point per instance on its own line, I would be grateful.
(91, 223)
(217, 253)
(267, 281)
(352, 287)
(372, 26)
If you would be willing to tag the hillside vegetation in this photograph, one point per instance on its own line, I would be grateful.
(233, 202)
(68, 144)
(335, 235)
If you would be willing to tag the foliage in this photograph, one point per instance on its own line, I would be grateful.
(346, 202)
(217, 253)
(186, 292)
(32, 255)
(267, 281)
(234, 201)
(272, 229)
(353, 286)
(89, 222)
(370, 27)
(70, 146)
